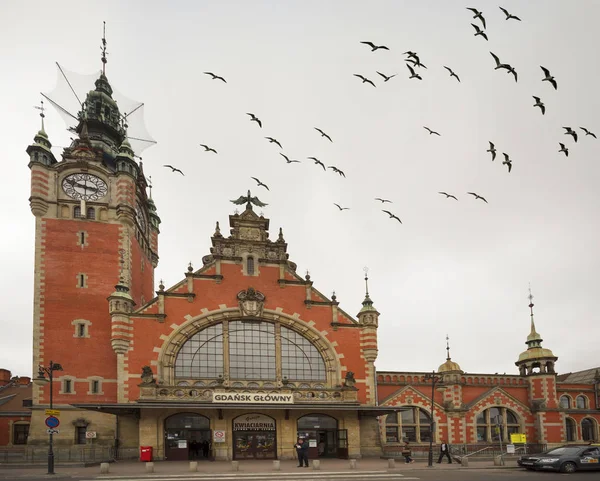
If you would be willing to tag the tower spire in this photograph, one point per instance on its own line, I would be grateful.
(41, 108)
(447, 348)
(366, 269)
(530, 297)
(103, 48)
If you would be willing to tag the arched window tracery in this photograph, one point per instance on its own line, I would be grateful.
(495, 424)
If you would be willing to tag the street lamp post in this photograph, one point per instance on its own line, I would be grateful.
(434, 378)
(40, 381)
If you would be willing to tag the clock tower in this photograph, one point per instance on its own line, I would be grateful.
(95, 228)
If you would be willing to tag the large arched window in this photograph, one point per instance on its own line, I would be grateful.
(565, 402)
(588, 430)
(495, 424)
(408, 424)
(581, 402)
(570, 430)
(253, 349)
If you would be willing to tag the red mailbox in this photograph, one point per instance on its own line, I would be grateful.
(145, 453)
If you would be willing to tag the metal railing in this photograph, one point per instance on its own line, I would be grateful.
(459, 450)
(65, 454)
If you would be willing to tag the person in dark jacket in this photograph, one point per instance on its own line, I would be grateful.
(445, 451)
(407, 453)
(302, 451)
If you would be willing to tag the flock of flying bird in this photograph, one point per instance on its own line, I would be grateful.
(413, 62)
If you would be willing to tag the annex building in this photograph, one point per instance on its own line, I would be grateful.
(242, 354)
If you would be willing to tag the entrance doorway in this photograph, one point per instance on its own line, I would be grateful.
(187, 437)
(324, 438)
(254, 437)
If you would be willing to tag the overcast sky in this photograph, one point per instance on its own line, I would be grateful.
(457, 267)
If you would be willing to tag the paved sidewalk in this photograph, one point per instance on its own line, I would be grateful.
(136, 468)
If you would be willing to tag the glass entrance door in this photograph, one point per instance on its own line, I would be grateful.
(254, 445)
(187, 436)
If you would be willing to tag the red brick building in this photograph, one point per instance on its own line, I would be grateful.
(243, 353)
(15, 409)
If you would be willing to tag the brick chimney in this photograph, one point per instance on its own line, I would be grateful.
(5, 375)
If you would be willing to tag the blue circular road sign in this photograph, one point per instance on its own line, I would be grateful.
(52, 421)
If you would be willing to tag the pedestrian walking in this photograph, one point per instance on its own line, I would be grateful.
(407, 453)
(302, 451)
(445, 451)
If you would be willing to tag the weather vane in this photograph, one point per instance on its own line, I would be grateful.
(42, 109)
(447, 347)
(530, 297)
(366, 270)
(103, 48)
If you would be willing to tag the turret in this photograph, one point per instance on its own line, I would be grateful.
(120, 305)
(368, 318)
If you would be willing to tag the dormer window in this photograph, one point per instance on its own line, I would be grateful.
(250, 265)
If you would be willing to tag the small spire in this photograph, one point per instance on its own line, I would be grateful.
(103, 48)
(149, 184)
(41, 108)
(333, 296)
(280, 237)
(366, 269)
(217, 231)
(190, 267)
(161, 286)
(534, 339)
(448, 358)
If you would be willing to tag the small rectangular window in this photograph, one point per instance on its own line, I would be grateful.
(95, 387)
(80, 330)
(68, 386)
(81, 280)
(20, 433)
(82, 238)
(91, 213)
(250, 266)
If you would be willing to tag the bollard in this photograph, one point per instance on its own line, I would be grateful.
(498, 460)
(193, 466)
(276, 465)
(391, 463)
(464, 461)
(149, 467)
(104, 468)
(353, 464)
(316, 464)
(235, 465)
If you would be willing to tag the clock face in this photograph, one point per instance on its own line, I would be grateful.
(84, 186)
(140, 218)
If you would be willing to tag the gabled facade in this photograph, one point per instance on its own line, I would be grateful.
(15, 409)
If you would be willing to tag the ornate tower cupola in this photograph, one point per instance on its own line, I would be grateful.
(536, 359)
(100, 115)
(368, 318)
(449, 367)
(40, 151)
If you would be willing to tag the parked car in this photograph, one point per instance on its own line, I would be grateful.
(566, 459)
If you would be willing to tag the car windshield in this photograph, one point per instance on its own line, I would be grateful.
(564, 451)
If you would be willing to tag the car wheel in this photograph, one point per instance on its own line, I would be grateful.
(568, 468)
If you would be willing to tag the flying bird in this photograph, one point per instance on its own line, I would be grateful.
(571, 132)
(492, 150)
(375, 47)
(507, 162)
(509, 15)
(432, 131)
(563, 149)
(506, 66)
(254, 118)
(260, 184)
(215, 77)
(452, 74)
(416, 63)
(392, 216)
(274, 141)
(386, 77)
(364, 79)
(587, 132)
(207, 148)
(174, 169)
(412, 73)
(412, 54)
(448, 195)
(480, 32)
(549, 77)
(340, 207)
(538, 103)
(317, 162)
(478, 15)
(336, 170)
(477, 196)
(288, 160)
(383, 201)
(323, 134)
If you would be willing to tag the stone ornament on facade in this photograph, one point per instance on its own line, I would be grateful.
(147, 376)
(251, 302)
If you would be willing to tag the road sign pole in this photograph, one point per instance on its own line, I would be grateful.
(50, 446)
